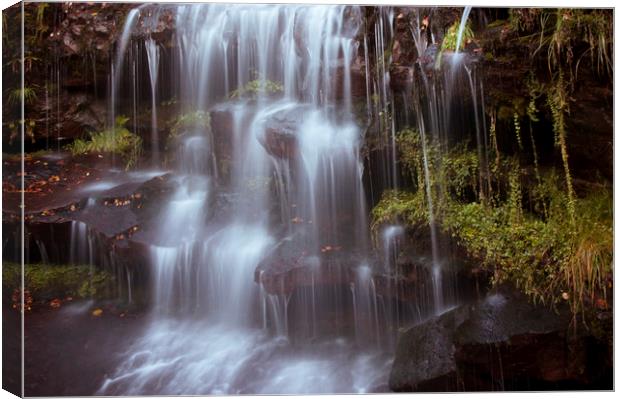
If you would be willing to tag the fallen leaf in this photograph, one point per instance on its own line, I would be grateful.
(97, 312)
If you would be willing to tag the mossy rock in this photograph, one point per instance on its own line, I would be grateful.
(46, 281)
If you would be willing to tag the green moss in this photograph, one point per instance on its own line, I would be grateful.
(116, 140)
(47, 282)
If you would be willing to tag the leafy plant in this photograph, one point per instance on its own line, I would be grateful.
(27, 93)
(450, 40)
(558, 103)
(116, 140)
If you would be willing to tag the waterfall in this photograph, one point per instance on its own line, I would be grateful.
(437, 97)
(283, 74)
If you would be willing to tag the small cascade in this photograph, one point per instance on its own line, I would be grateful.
(365, 308)
(459, 37)
(116, 67)
(393, 317)
(87, 248)
(152, 51)
(43, 251)
(382, 96)
(439, 88)
(81, 244)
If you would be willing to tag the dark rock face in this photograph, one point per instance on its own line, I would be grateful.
(401, 77)
(591, 130)
(425, 355)
(75, 115)
(222, 121)
(500, 343)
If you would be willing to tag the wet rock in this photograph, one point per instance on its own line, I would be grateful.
(357, 76)
(289, 268)
(74, 114)
(427, 60)
(591, 125)
(500, 343)
(401, 77)
(222, 122)
(403, 47)
(425, 355)
(279, 137)
(156, 22)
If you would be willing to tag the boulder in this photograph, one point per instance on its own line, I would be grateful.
(502, 342)
(425, 355)
(280, 140)
(279, 136)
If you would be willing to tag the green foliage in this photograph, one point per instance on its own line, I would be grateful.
(517, 124)
(47, 282)
(456, 171)
(255, 87)
(116, 140)
(27, 93)
(461, 170)
(523, 19)
(515, 196)
(545, 252)
(543, 258)
(450, 39)
(535, 90)
(400, 207)
(558, 103)
(190, 120)
(564, 32)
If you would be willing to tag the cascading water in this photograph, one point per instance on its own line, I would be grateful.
(213, 329)
(438, 97)
(152, 51)
(459, 37)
